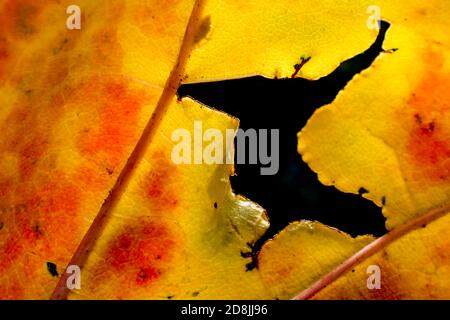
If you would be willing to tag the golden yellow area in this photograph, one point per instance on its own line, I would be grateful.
(263, 37)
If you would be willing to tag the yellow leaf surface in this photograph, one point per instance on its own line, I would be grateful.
(388, 130)
(387, 133)
(263, 37)
(86, 174)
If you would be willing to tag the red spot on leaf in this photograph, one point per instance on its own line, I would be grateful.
(429, 142)
(140, 252)
(429, 148)
(42, 218)
(49, 215)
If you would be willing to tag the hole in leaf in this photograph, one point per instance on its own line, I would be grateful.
(295, 192)
(51, 267)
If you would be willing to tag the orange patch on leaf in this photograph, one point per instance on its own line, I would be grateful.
(440, 252)
(12, 290)
(108, 51)
(19, 17)
(429, 142)
(140, 252)
(57, 72)
(49, 216)
(42, 225)
(90, 178)
(31, 154)
(29, 137)
(430, 149)
(4, 56)
(159, 184)
(10, 250)
(4, 188)
(118, 109)
(19, 115)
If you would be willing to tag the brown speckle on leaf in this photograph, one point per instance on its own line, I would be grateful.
(51, 267)
(300, 65)
(362, 191)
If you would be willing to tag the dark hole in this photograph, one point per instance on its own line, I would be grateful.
(51, 267)
(295, 192)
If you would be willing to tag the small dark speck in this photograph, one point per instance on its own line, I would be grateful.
(109, 171)
(170, 297)
(51, 267)
(195, 294)
(353, 270)
(424, 225)
(383, 201)
(37, 230)
(362, 191)
(1, 225)
(215, 205)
